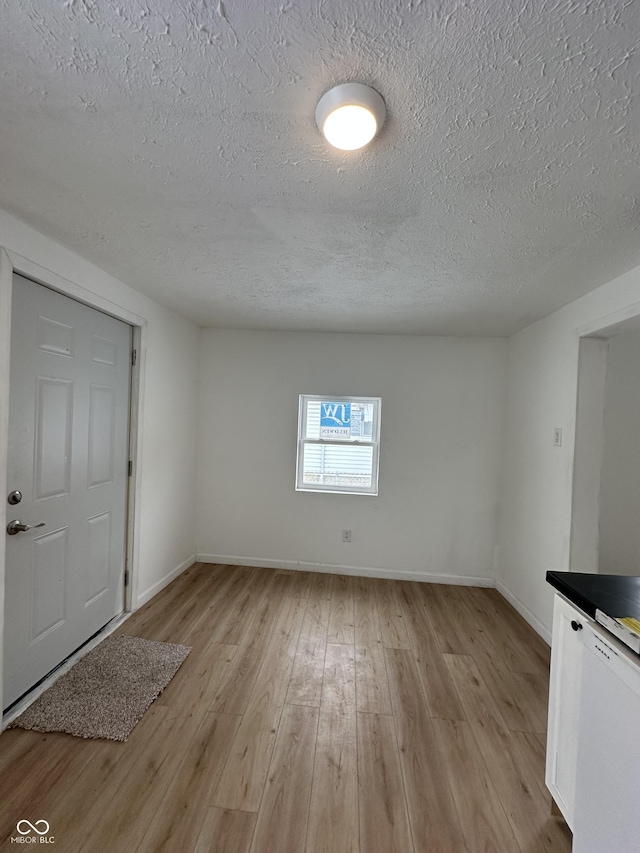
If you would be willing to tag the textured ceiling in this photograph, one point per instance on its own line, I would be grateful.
(172, 142)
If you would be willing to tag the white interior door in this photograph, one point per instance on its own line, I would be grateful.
(68, 457)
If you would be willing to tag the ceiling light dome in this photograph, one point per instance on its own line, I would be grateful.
(350, 115)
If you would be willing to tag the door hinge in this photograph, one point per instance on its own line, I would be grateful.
(130, 468)
(126, 577)
(134, 357)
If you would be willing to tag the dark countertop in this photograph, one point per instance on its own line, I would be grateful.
(616, 595)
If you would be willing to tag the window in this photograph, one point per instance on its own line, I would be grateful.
(338, 444)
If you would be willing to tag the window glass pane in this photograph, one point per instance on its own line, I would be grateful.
(337, 465)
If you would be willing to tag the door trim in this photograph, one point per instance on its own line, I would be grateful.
(10, 263)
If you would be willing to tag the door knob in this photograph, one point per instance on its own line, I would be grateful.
(18, 527)
(14, 497)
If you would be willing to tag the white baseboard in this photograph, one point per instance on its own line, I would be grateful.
(165, 581)
(358, 571)
(526, 614)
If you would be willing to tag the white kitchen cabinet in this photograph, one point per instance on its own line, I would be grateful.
(564, 704)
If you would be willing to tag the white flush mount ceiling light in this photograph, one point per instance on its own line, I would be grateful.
(350, 115)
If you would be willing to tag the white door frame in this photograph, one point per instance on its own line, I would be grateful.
(11, 262)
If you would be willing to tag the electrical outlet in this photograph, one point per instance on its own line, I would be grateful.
(557, 436)
(346, 536)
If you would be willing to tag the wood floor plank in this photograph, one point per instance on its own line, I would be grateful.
(199, 676)
(372, 686)
(305, 686)
(321, 585)
(519, 628)
(140, 793)
(474, 622)
(541, 741)
(177, 625)
(22, 755)
(229, 603)
(290, 583)
(133, 793)
(366, 616)
(514, 780)
(384, 823)
(243, 778)
(281, 826)
(442, 606)
(342, 617)
(226, 832)
(30, 785)
(533, 749)
(483, 819)
(520, 694)
(339, 681)
(233, 694)
(442, 698)
(17, 746)
(518, 644)
(214, 602)
(81, 769)
(156, 616)
(90, 796)
(333, 811)
(523, 700)
(180, 817)
(392, 624)
(432, 813)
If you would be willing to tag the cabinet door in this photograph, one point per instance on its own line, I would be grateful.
(564, 704)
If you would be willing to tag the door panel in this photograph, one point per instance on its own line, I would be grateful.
(103, 351)
(102, 411)
(99, 559)
(55, 337)
(48, 583)
(54, 406)
(68, 455)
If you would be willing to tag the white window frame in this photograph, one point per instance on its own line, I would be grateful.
(374, 443)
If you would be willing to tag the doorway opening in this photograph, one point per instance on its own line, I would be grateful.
(605, 518)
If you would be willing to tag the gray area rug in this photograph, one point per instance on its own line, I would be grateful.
(107, 691)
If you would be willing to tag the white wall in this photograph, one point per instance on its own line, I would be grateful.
(169, 442)
(535, 517)
(168, 374)
(442, 422)
(620, 480)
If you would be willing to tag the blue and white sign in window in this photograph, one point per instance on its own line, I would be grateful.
(335, 420)
(338, 444)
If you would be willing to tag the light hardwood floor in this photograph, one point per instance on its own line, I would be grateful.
(315, 714)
